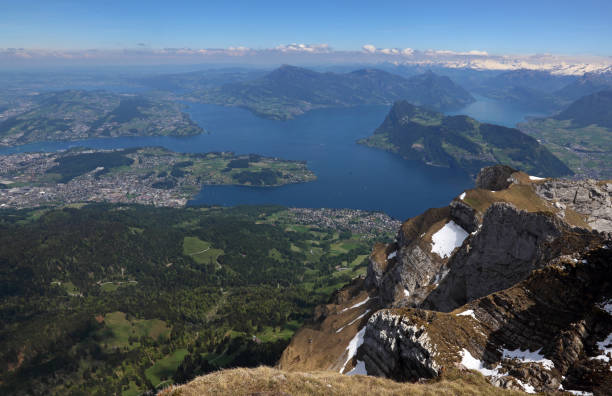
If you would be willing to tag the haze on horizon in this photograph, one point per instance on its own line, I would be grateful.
(38, 33)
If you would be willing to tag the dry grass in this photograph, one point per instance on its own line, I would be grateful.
(268, 381)
(523, 197)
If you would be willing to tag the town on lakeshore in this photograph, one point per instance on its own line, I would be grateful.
(153, 176)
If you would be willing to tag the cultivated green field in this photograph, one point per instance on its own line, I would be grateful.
(118, 329)
(587, 151)
(201, 251)
(164, 368)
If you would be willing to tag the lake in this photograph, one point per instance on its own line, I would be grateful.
(349, 175)
(496, 112)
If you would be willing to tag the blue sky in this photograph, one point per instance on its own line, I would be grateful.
(535, 26)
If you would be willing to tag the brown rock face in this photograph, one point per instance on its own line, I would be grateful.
(495, 177)
(554, 312)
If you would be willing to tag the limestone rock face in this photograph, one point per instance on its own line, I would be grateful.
(531, 334)
(407, 268)
(378, 264)
(510, 244)
(495, 177)
(587, 197)
(464, 215)
(396, 348)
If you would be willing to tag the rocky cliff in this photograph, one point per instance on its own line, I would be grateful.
(512, 279)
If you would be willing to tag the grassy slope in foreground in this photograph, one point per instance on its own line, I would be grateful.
(268, 381)
(417, 133)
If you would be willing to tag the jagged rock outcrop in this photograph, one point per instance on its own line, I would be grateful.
(395, 347)
(510, 244)
(536, 331)
(590, 198)
(464, 215)
(408, 265)
(495, 177)
(517, 264)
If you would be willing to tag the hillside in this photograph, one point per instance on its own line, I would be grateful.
(290, 91)
(527, 89)
(511, 280)
(594, 109)
(78, 115)
(417, 133)
(580, 135)
(587, 84)
(119, 299)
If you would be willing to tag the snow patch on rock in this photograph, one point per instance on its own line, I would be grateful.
(462, 196)
(606, 347)
(447, 239)
(359, 369)
(352, 347)
(469, 312)
(471, 363)
(359, 304)
(529, 357)
(535, 178)
(391, 255)
(353, 321)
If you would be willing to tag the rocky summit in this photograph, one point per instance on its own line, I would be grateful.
(512, 279)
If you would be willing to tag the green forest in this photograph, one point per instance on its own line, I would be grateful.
(120, 299)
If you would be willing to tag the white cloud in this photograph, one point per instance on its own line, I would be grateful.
(297, 53)
(369, 48)
(452, 53)
(309, 48)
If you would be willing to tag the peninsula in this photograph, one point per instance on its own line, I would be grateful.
(153, 175)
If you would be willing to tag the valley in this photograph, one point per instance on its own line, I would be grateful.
(580, 135)
(224, 287)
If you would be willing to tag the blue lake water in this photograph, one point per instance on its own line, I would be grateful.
(349, 175)
(496, 112)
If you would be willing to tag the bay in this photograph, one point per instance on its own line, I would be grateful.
(348, 175)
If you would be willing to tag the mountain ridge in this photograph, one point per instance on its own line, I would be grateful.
(417, 133)
(289, 91)
(419, 312)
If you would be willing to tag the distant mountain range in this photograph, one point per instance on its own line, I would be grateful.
(542, 91)
(594, 109)
(587, 84)
(417, 133)
(290, 91)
